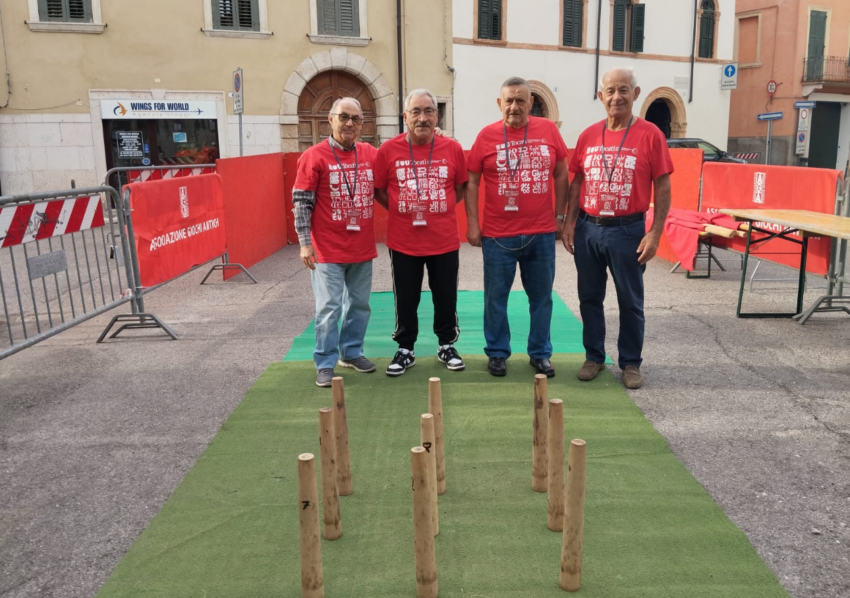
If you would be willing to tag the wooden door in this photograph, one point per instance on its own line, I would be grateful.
(316, 101)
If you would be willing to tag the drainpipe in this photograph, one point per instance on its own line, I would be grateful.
(693, 54)
(598, 33)
(400, 68)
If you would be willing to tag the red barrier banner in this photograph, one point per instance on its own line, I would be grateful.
(755, 186)
(179, 223)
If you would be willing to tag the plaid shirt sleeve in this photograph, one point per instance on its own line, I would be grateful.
(303, 202)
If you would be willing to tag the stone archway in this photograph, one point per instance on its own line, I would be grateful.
(339, 59)
(678, 114)
(550, 104)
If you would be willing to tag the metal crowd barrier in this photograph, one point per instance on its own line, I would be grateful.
(118, 177)
(62, 262)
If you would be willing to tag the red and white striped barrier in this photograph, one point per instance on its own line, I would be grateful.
(30, 222)
(140, 176)
(748, 155)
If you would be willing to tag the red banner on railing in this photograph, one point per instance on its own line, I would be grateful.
(178, 224)
(755, 186)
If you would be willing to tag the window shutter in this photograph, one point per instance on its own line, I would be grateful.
(222, 14)
(636, 34)
(496, 19)
(484, 19)
(572, 23)
(246, 16)
(73, 11)
(706, 35)
(327, 17)
(619, 42)
(349, 18)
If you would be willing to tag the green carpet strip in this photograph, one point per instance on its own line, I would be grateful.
(231, 528)
(565, 334)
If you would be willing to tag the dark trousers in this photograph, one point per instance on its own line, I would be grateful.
(599, 249)
(408, 272)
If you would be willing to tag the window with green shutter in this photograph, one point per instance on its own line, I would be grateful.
(490, 19)
(706, 29)
(636, 33)
(619, 40)
(65, 11)
(236, 15)
(573, 10)
(339, 17)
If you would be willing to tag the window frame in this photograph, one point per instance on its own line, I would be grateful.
(262, 14)
(36, 24)
(504, 29)
(583, 44)
(809, 10)
(339, 40)
(700, 12)
(628, 42)
(735, 50)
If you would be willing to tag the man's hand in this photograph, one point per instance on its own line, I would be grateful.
(648, 246)
(473, 234)
(308, 256)
(439, 132)
(568, 237)
(559, 231)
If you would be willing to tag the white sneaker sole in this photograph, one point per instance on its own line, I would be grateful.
(397, 374)
(454, 368)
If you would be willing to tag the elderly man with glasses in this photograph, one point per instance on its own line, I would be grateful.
(333, 205)
(420, 176)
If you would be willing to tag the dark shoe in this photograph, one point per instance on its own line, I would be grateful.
(447, 354)
(589, 370)
(324, 377)
(403, 359)
(361, 364)
(497, 366)
(543, 366)
(632, 378)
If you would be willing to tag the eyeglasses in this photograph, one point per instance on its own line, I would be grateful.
(348, 117)
(416, 112)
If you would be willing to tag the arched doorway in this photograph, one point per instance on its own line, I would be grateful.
(664, 107)
(316, 100)
(659, 115)
(538, 108)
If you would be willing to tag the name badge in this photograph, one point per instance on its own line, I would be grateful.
(418, 212)
(512, 197)
(352, 220)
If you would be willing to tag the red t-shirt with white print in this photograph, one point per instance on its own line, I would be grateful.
(619, 186)
(527, 169)
(342, 224)
(436, 203)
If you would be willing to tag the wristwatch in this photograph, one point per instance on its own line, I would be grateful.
(561, 217)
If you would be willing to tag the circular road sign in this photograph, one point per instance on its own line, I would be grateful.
(804, 113)
(237, 82)
(801, 137)
(771, 87)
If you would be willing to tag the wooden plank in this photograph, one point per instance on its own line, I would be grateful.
(809, 223)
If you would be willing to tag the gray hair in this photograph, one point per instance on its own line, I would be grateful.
(339, 100)
(516, 82)
(633, 80)
(419, 92)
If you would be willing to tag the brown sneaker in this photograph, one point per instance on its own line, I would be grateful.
(589, 370)
(632, 378)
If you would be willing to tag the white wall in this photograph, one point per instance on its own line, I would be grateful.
(525, 26)
(260, 135)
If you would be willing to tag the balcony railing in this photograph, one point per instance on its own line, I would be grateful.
(834, 69)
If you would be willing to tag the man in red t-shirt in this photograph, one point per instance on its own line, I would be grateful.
(419, 178)
(616, 163)
(522, 160)
(333, 205)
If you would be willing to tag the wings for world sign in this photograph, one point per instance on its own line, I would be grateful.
(178, 224)
(147, 109)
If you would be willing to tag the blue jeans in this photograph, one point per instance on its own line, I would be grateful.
(535, 255)
(598, 249)
(341, 290)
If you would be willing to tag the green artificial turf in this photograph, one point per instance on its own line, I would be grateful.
(231, 528)
(565, 334)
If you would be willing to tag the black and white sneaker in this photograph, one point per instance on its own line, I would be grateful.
(447, 354)
(403, 359)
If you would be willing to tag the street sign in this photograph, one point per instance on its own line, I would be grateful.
(237, 91)
(729, 80)
(771, 87)
(805, 104)
(770, 116)
(802, 143)
(803, 122)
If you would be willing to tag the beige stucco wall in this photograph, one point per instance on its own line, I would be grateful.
(159, 45)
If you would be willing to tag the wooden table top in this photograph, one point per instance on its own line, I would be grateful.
(809, 223)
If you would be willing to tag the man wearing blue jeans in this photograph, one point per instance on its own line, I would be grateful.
(333, 204)
(617, 163)
(522, 160)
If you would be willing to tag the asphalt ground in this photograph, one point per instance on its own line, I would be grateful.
(94, 438)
